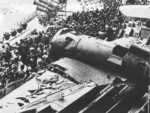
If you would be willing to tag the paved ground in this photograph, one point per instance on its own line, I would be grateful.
(32, 25)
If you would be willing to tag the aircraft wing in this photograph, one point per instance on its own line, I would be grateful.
(51, 100)
(28, 93)
(82, 72)
(70, 70)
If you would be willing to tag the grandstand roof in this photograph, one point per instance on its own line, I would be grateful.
(140, 11)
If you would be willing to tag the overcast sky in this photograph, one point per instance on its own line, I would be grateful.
(16, 2)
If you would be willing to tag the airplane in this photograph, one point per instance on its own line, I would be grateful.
(84, 72)
(87, 67)
(99, 52)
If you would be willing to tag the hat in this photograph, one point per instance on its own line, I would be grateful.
(12, 59)
(31, 59)
(29, 68)
(40, 72)
(16, 51)
(32, 48)
(13, 66)
(45, 56)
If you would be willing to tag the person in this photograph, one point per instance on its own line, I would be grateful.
(2, 55)
(40, 62)
(17, 57)
(14, 72)
(21, 73)
(110, 34)
(46, 58)
(11, 75)
(4, 77)
(28, 73)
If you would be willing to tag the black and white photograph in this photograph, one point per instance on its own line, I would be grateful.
(74, 56)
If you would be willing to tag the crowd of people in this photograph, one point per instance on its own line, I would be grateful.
(21, 59)
(43, 20)
(92, 23)
(103, 24)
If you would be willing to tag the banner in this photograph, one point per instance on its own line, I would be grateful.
(62, 1)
